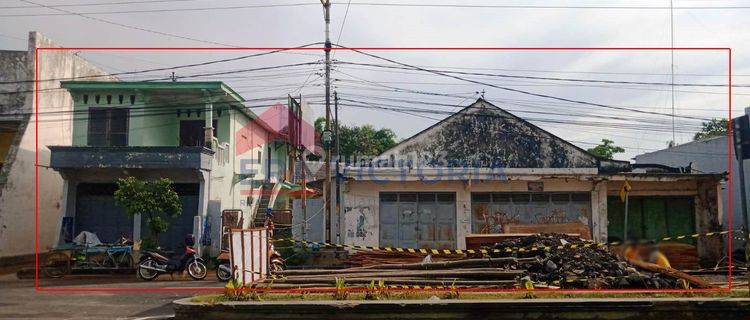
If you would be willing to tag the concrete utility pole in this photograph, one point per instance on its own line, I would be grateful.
(338, 162)
(327, 165)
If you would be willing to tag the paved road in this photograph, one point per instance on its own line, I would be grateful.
(19, 300)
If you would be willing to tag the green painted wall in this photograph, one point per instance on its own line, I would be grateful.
(149, 124)
(651, 218)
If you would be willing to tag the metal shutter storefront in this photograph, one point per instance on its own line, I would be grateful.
(418, 220)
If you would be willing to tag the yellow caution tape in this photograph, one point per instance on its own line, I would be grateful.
(588, 244)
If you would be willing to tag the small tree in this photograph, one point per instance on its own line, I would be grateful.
(606, 149)
(713, 128)
(156, 200)
(362, 140)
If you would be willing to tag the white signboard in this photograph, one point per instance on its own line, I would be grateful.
(249, 254)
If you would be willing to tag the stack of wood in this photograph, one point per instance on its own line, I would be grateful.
(483, 273)
(680, 255)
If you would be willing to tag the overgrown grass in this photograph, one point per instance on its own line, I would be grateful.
(394, 295)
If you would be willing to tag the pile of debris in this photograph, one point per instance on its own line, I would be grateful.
(570, 262)
(583, 264)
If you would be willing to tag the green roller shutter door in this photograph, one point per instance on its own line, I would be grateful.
(651, 218)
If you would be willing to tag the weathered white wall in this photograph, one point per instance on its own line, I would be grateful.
(17, 197)
(360, 224)
(14, 71)
(248, 153)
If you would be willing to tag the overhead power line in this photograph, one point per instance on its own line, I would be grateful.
(92, 4)
(67, 13)
(563, 112)
(172, 68)
(343, 22)
(643, 121)
(580, 72)
(500, 75)
(609, 125)
(87, 16)
(501, 6)
(374, 4)
(188, 76)
(421, 114)
(529, 93)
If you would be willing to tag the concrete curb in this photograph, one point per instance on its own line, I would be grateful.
(662, 308)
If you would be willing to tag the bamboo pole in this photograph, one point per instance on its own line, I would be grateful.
(392, 281)
(467, 263)
(694, 281)
(486, 273)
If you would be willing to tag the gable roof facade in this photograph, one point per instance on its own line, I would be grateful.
(483, 135)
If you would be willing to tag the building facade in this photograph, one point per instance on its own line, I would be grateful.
(219, 155)
(484, 172)
(709, 156)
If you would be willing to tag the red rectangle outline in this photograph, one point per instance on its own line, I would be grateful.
(730, 149)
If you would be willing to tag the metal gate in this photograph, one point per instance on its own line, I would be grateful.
(418, 220)
(249, 249)
(182, 225)
(96, 212)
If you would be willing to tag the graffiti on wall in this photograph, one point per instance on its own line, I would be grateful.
(496, 218)
(494, 222)
(360, 221)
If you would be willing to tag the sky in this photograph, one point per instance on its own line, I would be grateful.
(578, 95)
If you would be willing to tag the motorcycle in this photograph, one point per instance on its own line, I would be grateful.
(224, 269)
(277, 262)
(153, 263)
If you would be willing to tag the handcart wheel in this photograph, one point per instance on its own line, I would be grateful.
(56, 265)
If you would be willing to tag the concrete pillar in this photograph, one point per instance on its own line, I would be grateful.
(706, 220)
(204, 194)
(463, 213)
(599, 221)
(209, 117)
(63, 209)
(136, 228)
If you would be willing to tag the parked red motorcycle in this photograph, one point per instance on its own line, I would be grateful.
(153, 263)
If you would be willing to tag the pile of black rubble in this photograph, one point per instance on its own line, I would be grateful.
(591, 267)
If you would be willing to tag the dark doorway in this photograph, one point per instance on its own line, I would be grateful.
(193, 134)
(96, 212)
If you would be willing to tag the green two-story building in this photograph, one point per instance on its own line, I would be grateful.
(219, 154)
